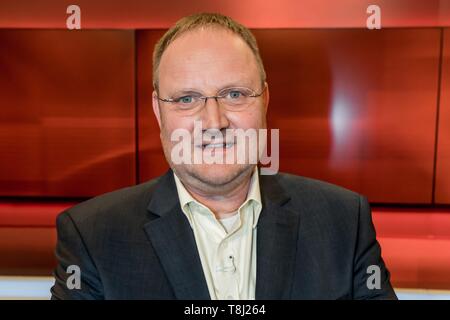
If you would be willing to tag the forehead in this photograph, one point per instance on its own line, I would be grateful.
(208, 58)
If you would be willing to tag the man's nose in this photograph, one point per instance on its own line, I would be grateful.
(214, 117)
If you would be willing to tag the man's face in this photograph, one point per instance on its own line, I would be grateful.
(205, 61)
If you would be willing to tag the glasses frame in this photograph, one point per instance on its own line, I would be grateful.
(217, 97)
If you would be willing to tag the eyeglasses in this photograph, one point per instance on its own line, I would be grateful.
(233, 98)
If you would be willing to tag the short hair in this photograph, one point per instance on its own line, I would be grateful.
(198, 20)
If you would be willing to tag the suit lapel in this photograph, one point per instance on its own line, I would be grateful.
(174, 243)
(276, 243)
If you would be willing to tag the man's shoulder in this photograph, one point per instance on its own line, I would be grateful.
(121, 202)
(322, 205)
(318, 194)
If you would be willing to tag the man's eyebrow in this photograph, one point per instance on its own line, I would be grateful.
(228, 85)
(243, 83)
(185, 91)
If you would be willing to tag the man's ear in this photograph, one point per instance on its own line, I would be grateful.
(266, 97)
(156, 111)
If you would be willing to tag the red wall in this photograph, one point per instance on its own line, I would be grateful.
(67, 112)
(153, 14)
(442, 194)
(356, 107)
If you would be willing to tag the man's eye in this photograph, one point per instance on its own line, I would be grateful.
(235, 94)
(185, 99)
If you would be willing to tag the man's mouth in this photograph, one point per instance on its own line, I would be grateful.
(218, 145)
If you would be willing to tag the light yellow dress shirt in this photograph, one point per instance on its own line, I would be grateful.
(227, 247)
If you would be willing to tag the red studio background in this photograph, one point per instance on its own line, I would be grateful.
(365, 109)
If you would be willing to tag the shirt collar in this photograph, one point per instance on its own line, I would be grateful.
(253, 195)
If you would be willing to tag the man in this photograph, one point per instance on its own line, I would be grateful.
(218, 230)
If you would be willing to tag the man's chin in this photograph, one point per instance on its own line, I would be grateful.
(218, 174)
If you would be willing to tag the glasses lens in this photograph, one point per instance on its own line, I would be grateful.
(236, 96)
(187, 101)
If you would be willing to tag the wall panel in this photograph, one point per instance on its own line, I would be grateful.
(356, 107)
(67, 112)
(442, 192)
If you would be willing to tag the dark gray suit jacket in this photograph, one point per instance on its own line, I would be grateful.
(315, 240)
